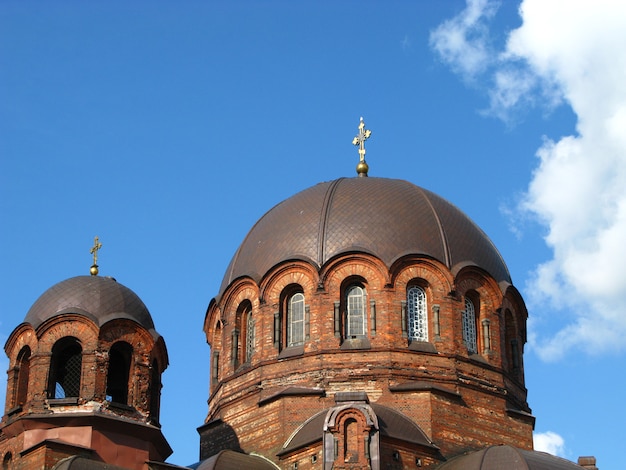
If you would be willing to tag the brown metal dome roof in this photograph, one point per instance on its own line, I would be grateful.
(392, 424)
(388, 218)
(101, 299)
(510, 458)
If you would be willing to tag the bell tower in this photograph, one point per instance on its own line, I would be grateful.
(84, 378)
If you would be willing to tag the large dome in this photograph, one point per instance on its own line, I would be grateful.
(101, 299)
(388, 218)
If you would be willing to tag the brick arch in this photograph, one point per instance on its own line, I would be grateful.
(436, 275)
(143, 352)
(348, 430)
(514, 302)
(57, 328)
(243, 289)
(486, 295)
(126, 330)
(68, 324)
(471, 279)
(23, 335)
(213, 333)
(212, 317)
(514, 338)
(295, 272)
(367, 267)
(436, 280)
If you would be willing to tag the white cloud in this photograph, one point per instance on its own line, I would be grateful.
(579, 188)
(571, 52)
(406, 42)
(549, 442)
(463, 41)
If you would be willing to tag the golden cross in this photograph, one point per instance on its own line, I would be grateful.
(94, 250)
(360, 139)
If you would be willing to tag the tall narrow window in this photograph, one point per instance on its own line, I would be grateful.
(120, 358)
(469, 326)
(23, 374)
(355, 311)
(216, 348)
(417, 314)
(249, 335)
(65, 369)
(215, 368)
(351, 440)
(511, 343)
(6, 461)
(242, 345)
(295, 320)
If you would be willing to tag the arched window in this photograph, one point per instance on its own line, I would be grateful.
(242, 336)
(216, 348)
(120, 358)
(155, 392)
(469, 326)
(23, 374)
(291, 322)
(355, 324)
(6, 461)
(249, 335)
(295, 320)
(417, 313)
(511, 343)
(65, 369)
(351, 440)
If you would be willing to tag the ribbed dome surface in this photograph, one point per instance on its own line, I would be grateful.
(511, 458)
(101, 299)
(388, 218)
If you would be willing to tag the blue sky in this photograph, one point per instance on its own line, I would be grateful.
(168, 128)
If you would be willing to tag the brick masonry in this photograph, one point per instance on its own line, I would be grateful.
(461, 401)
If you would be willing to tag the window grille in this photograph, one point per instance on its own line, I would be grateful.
(249, 336)
(66, 369)
(418, 314)
(469, 326)
(355, 311)
(295, 320)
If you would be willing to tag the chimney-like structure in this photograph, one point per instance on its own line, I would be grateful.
(587, 462)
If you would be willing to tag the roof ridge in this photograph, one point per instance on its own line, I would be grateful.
(324, 215)
(442, 232)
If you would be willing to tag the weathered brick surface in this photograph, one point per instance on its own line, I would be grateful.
(30, 411)
(470, 413)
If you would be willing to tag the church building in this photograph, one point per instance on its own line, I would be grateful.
(363, 323)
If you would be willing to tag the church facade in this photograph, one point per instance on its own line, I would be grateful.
(363, 323)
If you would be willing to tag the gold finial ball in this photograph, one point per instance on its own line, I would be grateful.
(94, 270)
(362, 168)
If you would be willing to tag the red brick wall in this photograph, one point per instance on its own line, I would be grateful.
(472, 415)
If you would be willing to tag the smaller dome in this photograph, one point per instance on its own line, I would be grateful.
(504, 456)
(392, 423)
(100, 299)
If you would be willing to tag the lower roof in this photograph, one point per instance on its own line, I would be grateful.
(509, 458)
